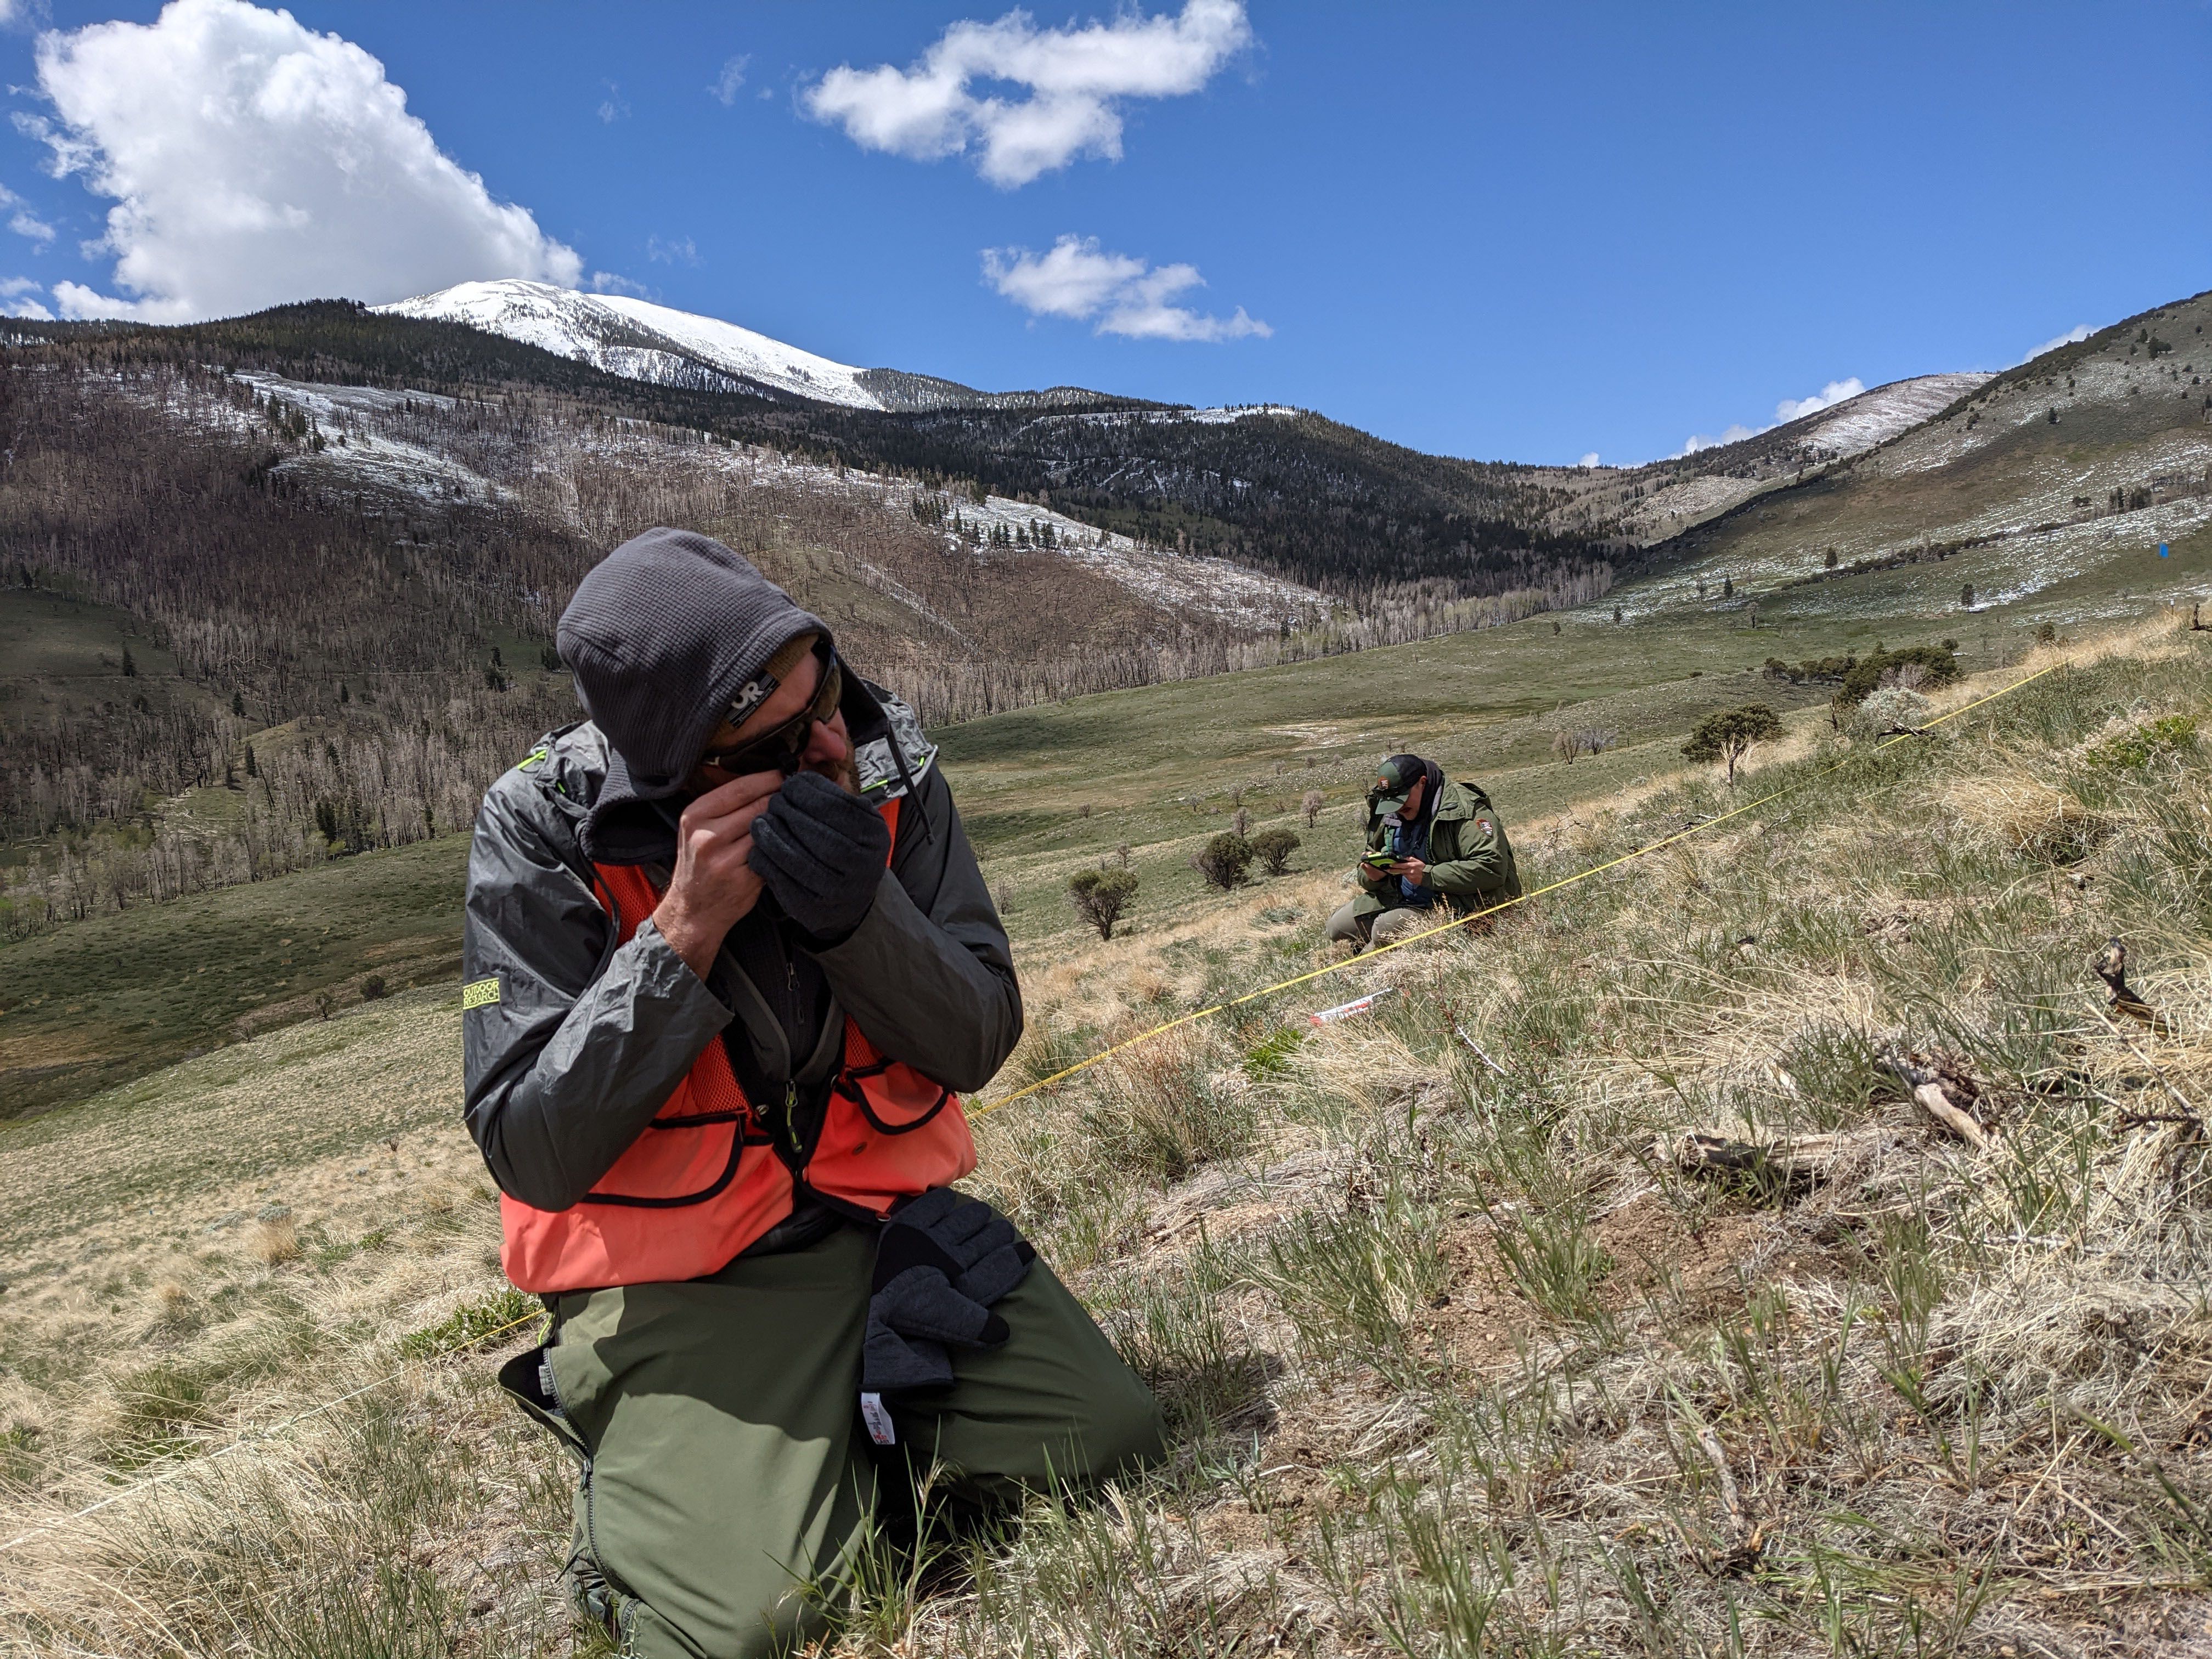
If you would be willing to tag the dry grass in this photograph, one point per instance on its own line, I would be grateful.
(276, 1243)
(153, 1317)
(1454, 1365)
(1495, 1382)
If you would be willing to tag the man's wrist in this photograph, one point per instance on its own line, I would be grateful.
(692, 938)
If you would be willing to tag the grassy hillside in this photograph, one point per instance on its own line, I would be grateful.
(1457, 1356)
(115, 996)
(1043, 791)
(2073, 467)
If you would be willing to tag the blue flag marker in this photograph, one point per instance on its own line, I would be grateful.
(2161, 550)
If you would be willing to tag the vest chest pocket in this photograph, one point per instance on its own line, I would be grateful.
(895, 1098)
(682, 1157)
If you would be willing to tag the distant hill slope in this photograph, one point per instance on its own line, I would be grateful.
(1675, 495)
(1307, 499)
(2027, 481)
(1146, 473)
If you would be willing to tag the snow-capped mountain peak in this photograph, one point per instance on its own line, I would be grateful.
(639, 339)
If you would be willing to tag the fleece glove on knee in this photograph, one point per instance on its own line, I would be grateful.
(943, 1259)
(821, 851)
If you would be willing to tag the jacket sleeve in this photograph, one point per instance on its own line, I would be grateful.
(1377, 839)
(1481, 865)
(578, 1047)
(929, 976)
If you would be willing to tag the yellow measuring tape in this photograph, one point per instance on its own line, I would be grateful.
(984, 1109)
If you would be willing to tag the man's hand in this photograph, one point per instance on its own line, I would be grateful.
(713, 886)
(1369, 876)
(821, 851)
(1414, 870)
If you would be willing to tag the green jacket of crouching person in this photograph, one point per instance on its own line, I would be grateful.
(1455, 858)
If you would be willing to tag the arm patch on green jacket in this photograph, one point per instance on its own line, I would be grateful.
(480, 993)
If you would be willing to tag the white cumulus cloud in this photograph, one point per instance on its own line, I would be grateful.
(1590, 459)
(1074, 80)
(1836, 391)
(1789, 409)
(2073, 335)
(1117, 293)
(254, 162)
(1733, 433)
(15, 299)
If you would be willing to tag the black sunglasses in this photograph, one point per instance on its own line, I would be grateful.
(783, 749)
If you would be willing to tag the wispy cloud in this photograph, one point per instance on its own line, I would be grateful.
(725, 89)
(679, 251)
(608, 281)
(2073, 335)
(23, 222)
(1117, 293)
(1076, 79)
(614, 106)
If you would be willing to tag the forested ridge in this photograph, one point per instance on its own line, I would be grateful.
(1293, 493)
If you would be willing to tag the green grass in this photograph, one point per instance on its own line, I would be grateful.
(116, 996)
(497, 1315)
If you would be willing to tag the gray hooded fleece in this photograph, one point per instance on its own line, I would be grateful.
(571, 1042)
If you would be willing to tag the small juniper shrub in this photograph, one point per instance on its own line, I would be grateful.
(1100, 895)
(1274, 848)
(1224, 859)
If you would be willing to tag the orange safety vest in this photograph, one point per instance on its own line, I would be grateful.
(705, 1178)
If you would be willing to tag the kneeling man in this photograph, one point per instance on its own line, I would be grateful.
(1436, 849)
(729, 959)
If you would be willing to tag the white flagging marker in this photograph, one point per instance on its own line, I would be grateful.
(1346, 1010)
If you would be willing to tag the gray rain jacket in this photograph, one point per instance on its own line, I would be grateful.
(572, 1043)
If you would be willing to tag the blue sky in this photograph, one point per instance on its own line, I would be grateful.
(1524, 233)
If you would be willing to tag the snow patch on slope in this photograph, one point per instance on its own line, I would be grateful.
(1837, 433)
(1877, 417)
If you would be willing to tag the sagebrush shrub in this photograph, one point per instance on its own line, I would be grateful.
(1274, 848)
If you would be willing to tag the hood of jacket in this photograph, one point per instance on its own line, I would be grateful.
(668, 636)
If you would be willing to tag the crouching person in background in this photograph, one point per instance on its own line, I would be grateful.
(1436, 849)
(729, 959)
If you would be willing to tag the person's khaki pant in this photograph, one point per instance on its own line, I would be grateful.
(727, 1481)
(1382, 926)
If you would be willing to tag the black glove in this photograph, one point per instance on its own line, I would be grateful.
(821, 852)
(941, 1262)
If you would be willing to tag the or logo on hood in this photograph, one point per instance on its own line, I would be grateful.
(751, 696)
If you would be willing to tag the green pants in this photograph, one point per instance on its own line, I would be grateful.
(727, 1476)
(1352, 926)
